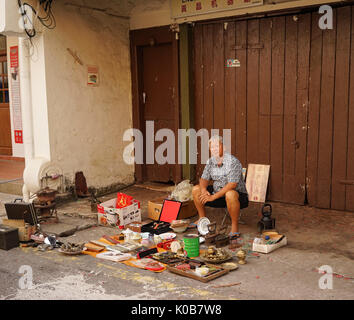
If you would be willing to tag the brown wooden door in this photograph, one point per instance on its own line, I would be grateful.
(264, 101)
(157, 103)
(331, 113)
(5, 125)
(290, 104)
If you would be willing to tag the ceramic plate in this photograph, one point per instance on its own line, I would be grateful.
(203, 226)
(167, 236)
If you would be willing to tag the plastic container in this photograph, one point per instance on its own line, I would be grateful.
(191, 245)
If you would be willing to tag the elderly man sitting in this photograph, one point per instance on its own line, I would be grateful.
(228, 187)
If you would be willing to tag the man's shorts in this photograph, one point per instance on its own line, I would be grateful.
(221, 202)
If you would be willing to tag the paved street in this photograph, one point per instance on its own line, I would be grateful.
(287, 273)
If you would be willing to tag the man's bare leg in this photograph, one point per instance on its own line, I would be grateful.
(200, 207)
(233, 206)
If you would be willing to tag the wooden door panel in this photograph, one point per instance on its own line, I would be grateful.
(199, 88)
(349, 190)
(302, 102)
(340, 109)
(5, 124)
(218, 87)
(157, 83)
(289, 104)
(158, 107)
(277, 109)
(5, 131)
(230, 84)
(325, 142)
(330, 168)
(252, 91)
(254, 104)
(314, 110)
(240, 90)
(264, 122)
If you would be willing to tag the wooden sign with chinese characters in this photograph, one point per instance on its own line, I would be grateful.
(186, 8)
(257, 182)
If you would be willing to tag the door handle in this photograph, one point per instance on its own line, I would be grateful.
(144, 97)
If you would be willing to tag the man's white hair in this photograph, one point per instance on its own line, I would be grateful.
(216, 138)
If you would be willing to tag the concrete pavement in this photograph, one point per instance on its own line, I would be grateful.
(287, 273)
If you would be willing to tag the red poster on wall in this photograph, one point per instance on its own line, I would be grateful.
(15, 95)
(14, 57)
(18, 136)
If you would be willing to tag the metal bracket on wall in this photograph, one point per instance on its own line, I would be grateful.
(248, 46)
(347, 182)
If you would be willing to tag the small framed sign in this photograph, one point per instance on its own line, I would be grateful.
(232, 63)
(92, 76)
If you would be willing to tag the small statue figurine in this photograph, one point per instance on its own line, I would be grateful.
(241, 255)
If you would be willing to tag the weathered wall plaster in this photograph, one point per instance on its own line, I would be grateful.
(86, 124)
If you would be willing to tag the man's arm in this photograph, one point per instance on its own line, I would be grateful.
(203, 184)
(206, 196)
(222, 192)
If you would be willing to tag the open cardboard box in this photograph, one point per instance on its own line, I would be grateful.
(170, 211)
(109, 215)
(267, 248)
(188, 209)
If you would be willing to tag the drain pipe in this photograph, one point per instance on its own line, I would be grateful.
(26, 103)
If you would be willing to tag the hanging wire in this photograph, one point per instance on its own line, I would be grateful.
(48, 20)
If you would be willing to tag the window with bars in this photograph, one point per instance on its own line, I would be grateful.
(4, 82)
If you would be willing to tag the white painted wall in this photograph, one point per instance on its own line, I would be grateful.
(86, 124)
(39, 99)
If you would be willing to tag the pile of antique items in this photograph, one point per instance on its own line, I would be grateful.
(168, 242)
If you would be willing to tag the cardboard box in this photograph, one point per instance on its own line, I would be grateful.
(110, 216)
(188, 209)
(266, 248)
(25, 230)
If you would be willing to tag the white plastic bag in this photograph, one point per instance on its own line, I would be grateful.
(183, 191)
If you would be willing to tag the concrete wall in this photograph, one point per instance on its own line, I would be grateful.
(40, 105)
(152, 13)
(86, 124)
